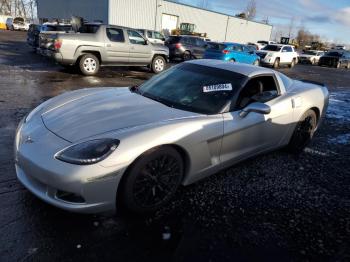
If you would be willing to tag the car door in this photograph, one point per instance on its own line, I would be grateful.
(150, 36)
(249, 56)
(237, 53)
(256, 132)
(140, 51)
(159, 37)
(117, 48)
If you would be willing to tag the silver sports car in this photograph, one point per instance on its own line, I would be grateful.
(87, 150)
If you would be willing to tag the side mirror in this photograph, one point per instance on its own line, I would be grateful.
(255, 107)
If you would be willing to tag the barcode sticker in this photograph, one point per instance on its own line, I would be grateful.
(218, 87)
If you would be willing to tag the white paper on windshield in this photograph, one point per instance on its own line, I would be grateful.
(217, 88)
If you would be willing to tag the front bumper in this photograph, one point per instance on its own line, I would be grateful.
(45, 176)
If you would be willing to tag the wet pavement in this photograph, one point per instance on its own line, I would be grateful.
(275, 207)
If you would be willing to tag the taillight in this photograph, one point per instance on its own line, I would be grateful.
(225, 51)
(178, 45)
(58, 44)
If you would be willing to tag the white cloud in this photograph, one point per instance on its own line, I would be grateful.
(343, 16)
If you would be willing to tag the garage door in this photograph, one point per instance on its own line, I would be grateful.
(169, 22)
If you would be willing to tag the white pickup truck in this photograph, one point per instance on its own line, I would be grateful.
(276, 55)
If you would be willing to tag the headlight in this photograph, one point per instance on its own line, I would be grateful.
(89, 152)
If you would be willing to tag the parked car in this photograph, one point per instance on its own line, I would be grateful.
(262, 43)
(17, 23)
(231, 52)
(87, 150)
(97, 45)
(154, 37)
(340, 47)
(337, 59)
(186, 47)
(310, 57)
(277, 55)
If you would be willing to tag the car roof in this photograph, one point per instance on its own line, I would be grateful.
(243, 69)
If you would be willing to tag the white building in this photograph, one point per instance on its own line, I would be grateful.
(157, 14)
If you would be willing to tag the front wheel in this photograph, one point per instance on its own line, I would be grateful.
(152, 180)
(303, 132)
(89, 65)
(276, 64)
(292, 64)
(158, 64)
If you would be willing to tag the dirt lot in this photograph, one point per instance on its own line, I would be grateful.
(276, 207)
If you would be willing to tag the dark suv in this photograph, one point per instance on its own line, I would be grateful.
(186, 47)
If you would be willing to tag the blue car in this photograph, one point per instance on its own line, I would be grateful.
(232, 52)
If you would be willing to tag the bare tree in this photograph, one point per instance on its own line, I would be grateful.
(250, 10)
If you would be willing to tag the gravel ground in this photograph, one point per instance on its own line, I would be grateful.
(275, 207)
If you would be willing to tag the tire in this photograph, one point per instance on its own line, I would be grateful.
(186, 56)
(89, 65)
(232, 60)
(158, 64)
(256, 62)
(152, 180)
(292, 64)
(276, 64)
(303, 132)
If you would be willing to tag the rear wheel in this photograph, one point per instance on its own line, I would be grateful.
(152, 180)
(276, 64)
(89, 65)
(158, 64)
(187, 56)
(303, 132)
(232, 60)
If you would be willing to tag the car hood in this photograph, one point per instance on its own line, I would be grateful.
(93, 113)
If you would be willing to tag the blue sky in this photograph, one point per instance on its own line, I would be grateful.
(329, 19)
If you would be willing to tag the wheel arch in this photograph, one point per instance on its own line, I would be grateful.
(182, 152)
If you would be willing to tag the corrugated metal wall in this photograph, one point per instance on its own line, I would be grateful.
(63, 9)
(133, 13)
(142, 14)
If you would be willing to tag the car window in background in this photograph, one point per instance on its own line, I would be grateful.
(158, 36)
(263, 42)
(237, 48)
(149, 34)
(173, 39)
(216, 46)
(141, 31)
(135, 37)
(203, 89)
(115, 34)
(200, 42)
(272, 48)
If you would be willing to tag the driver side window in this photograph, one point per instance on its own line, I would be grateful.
(259, 89)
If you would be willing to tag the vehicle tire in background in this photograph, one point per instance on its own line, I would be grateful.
(89, 65)
(186, 56)
(276, 64)
(158, 64)
(303, 132)
(292, 64)
(152, 180)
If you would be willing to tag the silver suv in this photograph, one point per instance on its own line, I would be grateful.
(97, 45)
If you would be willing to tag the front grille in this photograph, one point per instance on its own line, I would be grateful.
(329, 61)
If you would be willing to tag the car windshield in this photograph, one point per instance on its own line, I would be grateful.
(337, 54)
(310, 53)
(272, 48)
(194, 88)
